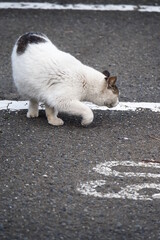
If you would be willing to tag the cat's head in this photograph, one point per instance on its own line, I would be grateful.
(110, 90)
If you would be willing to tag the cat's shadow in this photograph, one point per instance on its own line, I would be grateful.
(73, 121)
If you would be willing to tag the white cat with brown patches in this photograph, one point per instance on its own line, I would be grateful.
(43, 73)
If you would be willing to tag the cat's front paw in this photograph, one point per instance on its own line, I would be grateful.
(32, 114)
(87, 120)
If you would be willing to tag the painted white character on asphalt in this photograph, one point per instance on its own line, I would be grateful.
(127, 192)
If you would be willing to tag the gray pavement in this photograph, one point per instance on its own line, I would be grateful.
(42, 166)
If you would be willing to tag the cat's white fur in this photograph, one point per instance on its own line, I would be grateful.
(44, 73)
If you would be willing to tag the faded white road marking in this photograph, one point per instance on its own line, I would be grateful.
(128, 192)
(77, 7)
(122, 106)
(106, 169)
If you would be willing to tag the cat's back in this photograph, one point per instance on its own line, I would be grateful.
(35, 49)
(37, 63)
(31, 46)
(32, 58)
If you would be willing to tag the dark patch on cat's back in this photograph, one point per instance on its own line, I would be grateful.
(29, 38)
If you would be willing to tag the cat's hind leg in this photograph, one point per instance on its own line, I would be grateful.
(51, 114)
(33, 109)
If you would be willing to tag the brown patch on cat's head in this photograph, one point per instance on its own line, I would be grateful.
(110, 91)
(111, 84)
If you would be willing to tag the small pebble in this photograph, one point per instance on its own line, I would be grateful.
(45, 175)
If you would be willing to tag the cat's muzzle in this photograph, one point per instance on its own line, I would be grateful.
(111, 105)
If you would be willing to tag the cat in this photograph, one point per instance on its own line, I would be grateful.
(41, 72)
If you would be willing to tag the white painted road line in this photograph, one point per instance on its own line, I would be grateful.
(122, 106)
(77, 7)
(129, 106)
(132, 191)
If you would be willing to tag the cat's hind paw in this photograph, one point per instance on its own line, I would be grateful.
(56, 121)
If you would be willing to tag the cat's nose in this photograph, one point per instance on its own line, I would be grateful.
(111, 105)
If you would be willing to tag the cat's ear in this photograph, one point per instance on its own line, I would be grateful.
(106, 73)
(111, 81)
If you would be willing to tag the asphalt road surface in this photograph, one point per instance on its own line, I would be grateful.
(52, 183)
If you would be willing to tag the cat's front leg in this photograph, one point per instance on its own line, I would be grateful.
(51, 114)
(77, 108)
(87, 118)
(33, 109)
